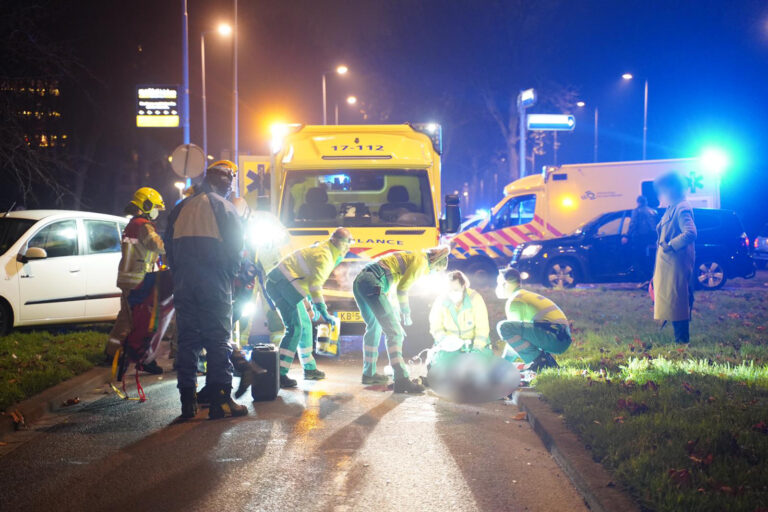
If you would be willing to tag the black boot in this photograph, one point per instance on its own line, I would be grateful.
(188, 403)
(204, 395)
(543, 360)
(222, 404)
(152, 368)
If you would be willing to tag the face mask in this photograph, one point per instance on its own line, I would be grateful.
(154, 213)
(456, 297)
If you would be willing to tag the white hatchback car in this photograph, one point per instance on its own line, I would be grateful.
(58, 266)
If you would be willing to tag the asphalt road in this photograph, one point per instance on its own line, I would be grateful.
(327, 446)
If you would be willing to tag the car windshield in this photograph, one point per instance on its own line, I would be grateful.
(357, 197)
(11, 230)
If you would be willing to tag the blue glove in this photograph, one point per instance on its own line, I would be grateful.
(406, 314)
(322, 309)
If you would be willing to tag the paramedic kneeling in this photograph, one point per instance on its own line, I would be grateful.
(535, 327)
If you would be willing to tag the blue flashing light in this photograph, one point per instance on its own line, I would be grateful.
(714, 160)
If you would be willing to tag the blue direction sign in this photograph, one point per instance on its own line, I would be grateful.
(551, 122)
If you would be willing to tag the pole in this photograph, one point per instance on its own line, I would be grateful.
(205, 109)
(325, 108)
(645, 119)
(236, 102)
(555, 145)
(521, 115)
(185, 69)
(336, 113)
(595, 156)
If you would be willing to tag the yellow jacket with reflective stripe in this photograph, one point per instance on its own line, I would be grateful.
(527, 306)
(469, 321)
(140, 246)
(405, 268)
(308, 269)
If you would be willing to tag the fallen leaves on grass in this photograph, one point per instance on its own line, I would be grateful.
(631, 406)
(761, 427)
(680, 477)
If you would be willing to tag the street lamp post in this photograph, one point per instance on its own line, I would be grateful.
(340, 70)
(595, 155)
(224, 30)
(185, 69)
(351, 100)
(235, 98)
(629, 76)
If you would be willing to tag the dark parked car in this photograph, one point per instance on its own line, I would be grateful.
(594, 252)
(760, 251)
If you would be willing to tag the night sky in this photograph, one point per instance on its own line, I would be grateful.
(706, 63)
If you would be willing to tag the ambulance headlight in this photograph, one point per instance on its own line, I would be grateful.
(530, 251)
(248, 309)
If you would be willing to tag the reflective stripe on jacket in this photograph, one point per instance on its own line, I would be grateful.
(468, 322)
(308, 269)
(140, 246)
(404, 268)
(204, 230)
(527, 306)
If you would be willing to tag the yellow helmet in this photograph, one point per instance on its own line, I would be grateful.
(224, 165)
(146, 199)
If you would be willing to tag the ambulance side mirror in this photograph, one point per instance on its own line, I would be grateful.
(451, 222)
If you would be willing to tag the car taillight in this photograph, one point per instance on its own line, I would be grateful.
(755, 243)
(744, 240)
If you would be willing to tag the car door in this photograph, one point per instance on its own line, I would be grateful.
(53, 288)
(102, 257)
(512, 223)
(608, 257)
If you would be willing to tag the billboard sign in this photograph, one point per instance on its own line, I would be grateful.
(157, 106)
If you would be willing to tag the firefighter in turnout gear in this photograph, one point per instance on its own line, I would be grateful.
(204, 243)
(460, 313)
(535, 327)
(141, 247)
(397, 271)
(299, 275)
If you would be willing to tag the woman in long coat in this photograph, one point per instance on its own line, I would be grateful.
(675, 256)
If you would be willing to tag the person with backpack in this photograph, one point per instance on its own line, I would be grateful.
(642, 238)
(204, 243)
(141, 247)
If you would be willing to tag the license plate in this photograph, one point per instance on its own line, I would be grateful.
(350, 316)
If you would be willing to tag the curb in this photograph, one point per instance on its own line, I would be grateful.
(591, 479)
(51, 399)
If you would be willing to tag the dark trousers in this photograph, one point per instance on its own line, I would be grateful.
(682, 331)
(642, 257)
(203, 300)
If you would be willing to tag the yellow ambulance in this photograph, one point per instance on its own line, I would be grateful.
(380, 181)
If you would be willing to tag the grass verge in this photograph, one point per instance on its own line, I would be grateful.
(684, 428)
(31, 362)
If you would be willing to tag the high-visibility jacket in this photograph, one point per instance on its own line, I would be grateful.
(468, 321)
(140, 246)
(308, 269)
(527, 306)
(403, 269)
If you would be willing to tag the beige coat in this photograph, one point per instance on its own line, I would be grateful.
(674, 268)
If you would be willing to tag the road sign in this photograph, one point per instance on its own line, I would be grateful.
(551, 122)
(527, 98)
(157, 106)
(188, 161)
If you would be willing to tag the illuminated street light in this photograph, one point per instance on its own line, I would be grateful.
(224, 29)
(351, 100)
(580, 104)
(629, 76)
(340, 70)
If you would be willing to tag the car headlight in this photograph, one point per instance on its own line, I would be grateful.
(530, 251)
(267, 233)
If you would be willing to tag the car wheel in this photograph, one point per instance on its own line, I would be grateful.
(482, 273)
(6, 319)
(561, 274)
(710, 275)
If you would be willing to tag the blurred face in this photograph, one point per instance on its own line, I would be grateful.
(505, 289)
(455, 292)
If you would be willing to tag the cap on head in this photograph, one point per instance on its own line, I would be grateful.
(511, 275)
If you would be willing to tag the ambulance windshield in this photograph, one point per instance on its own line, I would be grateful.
(357, 197)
